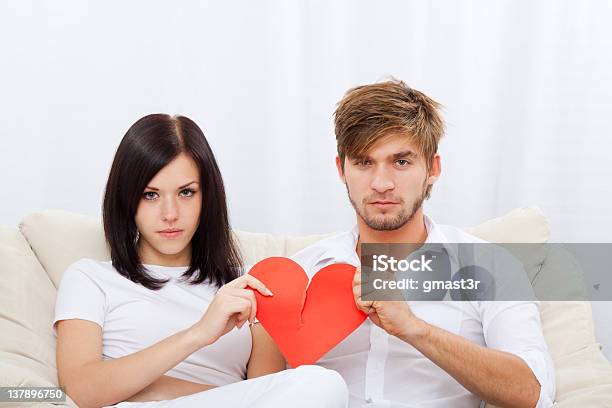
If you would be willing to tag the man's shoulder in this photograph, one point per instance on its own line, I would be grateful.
(338, 241)
(338, 248)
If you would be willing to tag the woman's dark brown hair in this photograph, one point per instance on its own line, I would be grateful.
(149, 145)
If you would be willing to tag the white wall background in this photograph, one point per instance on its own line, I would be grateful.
(526, 87)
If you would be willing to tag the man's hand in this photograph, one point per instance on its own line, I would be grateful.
(393, 316)
(495, 376)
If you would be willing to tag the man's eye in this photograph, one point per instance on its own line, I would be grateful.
(150, 195)
(363, 162)
(187, 192)
(402, 162)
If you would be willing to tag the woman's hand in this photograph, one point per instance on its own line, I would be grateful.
(233, 305)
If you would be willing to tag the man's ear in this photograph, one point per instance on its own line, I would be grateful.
(340, 170)
(435, 170)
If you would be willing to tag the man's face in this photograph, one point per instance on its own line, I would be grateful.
(387, 186)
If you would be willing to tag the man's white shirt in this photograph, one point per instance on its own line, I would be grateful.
(384, 371)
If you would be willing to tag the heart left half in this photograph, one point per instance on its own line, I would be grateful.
(306, 321)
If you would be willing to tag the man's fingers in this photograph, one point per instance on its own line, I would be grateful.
(362, 288)
(357, 277)
(366, 306)
(363, 305)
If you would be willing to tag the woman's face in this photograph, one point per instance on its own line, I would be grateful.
(169, 214)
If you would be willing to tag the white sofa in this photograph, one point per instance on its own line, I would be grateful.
(34, 256)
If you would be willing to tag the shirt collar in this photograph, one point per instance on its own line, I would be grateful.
(434, 236)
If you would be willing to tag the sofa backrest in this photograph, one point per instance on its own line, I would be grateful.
(59, 238)
(33, 260)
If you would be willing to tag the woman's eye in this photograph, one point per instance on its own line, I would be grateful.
(187, 192)
(150, 195)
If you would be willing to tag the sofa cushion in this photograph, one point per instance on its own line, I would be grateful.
(27, 298)
(523, 225)
(584, 378)
(59, 238)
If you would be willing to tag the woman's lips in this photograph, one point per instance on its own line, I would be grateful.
(170, 234)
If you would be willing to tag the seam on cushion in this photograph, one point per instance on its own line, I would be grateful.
(29, 252)
(583, 348)
(540, 267)
(591, 322)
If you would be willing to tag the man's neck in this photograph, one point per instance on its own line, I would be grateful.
(414, 231)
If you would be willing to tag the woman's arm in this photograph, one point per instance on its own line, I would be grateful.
(265, 356)
(167, 388)
(93, 382)
(265, 359)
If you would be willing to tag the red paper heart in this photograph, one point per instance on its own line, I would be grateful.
(306, 323)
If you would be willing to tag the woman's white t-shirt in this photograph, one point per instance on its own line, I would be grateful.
(133, 317)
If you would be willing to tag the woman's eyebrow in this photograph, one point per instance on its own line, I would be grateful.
(191, 182)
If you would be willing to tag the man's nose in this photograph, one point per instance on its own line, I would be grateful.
(382, 181)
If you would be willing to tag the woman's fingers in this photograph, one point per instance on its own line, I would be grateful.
(239, 300)
(248, 295)
(238, 308)
(251, 281)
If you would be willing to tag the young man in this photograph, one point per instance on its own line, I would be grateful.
(427, 353)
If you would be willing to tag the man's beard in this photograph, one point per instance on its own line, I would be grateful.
(394, 223)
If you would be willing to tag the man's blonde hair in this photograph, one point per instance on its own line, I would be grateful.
(368, 113)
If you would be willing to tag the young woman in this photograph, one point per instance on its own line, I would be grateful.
(164, 322)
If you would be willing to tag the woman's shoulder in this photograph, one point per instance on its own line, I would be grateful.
(85, 264)
(92, 268)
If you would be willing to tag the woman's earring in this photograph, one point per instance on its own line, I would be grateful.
(137, 236)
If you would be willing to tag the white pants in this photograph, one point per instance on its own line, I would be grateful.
(307, 386)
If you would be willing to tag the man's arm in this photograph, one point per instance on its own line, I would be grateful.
(495, 376)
